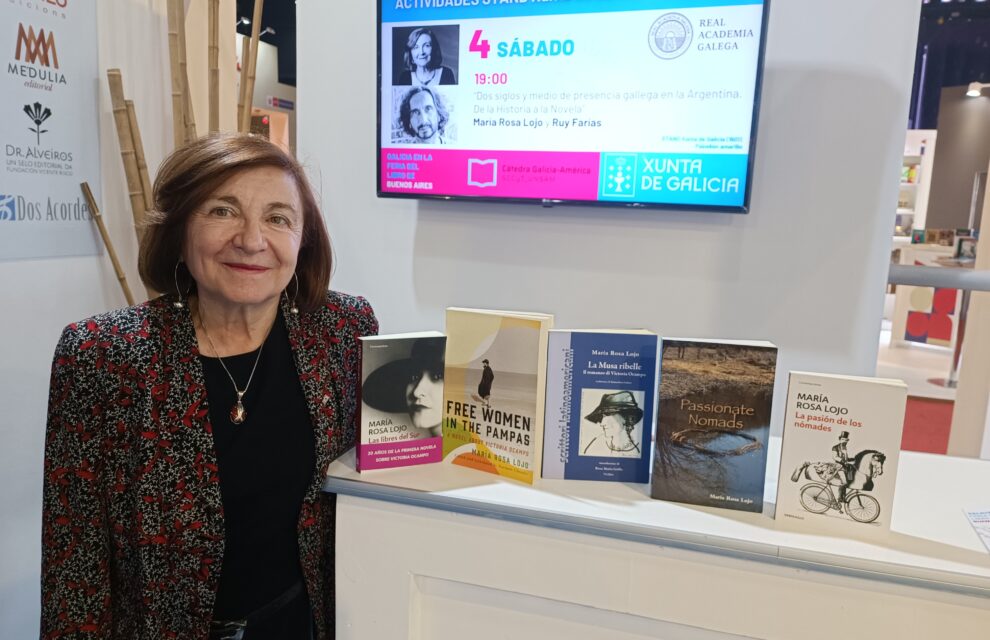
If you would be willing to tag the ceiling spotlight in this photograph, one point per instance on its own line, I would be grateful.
(267, 30)
(975, 89)
(243, 20)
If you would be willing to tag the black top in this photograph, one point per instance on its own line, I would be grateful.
(446, 77)
(265, 466)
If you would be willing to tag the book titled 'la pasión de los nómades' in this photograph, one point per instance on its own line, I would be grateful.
(401, 400)
(494, 387)
(713, 424)
(842, 439)
(601, 391)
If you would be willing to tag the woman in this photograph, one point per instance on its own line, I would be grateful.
(617, 414)
(485, 386)
(413, 386)
(424, 61)
(188, 436)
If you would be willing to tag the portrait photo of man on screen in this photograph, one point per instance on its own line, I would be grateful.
(423, 117)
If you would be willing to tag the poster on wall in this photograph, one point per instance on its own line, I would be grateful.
(50, 131)
(618, 102)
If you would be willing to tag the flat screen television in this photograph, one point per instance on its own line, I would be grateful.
(639, 103)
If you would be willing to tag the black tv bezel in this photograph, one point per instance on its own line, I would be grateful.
(552, 202)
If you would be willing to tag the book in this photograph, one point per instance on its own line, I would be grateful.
(494, 391)
(838, 462)
(713, 422)
(601, 392)
(402, 380)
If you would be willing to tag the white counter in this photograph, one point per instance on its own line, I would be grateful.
(932, 555)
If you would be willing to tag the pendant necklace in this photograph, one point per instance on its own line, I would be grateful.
(426, 82)
(238, 414)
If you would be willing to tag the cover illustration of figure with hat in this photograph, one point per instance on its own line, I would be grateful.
(713, 424)
(601, 390)
(402, 379)
(842, 437)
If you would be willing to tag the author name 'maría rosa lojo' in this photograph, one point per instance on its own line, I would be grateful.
(826, 413)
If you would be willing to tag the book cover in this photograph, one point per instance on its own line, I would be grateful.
(713, 422)
(838, 464)
(401, 400)
(601, 391)
(495, 382)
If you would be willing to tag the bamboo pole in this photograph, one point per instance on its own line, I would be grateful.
(178, 102)
(245, 124)
(189, 118)
(127, 154)
(242, 88)
(98, 217)
(142, 165)
(214, 65)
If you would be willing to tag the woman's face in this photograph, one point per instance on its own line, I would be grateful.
(242, 243)
(614, 426)
(422, 51)
(424, 398)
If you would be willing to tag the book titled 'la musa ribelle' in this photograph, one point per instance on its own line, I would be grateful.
(713, 424)
(842, 439)
(494, 389)
(601, 391)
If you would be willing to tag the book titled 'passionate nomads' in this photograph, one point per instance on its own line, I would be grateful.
(401, 400)
(601, 391)
(713, 423)
(842, 437)
(494, 391)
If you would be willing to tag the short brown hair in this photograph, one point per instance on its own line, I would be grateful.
(187, 178)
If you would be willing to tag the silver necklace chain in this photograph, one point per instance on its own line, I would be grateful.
(240, 393)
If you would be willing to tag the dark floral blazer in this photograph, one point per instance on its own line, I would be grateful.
(133, 532)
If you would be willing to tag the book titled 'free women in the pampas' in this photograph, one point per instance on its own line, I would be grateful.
(494, 386)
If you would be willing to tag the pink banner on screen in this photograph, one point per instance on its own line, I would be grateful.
(399, 454)
(504, 174)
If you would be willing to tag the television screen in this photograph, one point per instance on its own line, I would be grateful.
(619, 102)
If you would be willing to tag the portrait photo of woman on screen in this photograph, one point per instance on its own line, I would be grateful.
(418, 57)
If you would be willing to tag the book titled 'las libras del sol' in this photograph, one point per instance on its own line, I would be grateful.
(713, 423)
(401, 400)
(494, 389)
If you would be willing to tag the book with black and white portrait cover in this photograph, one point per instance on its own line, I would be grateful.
(401, 400)
(495, 381)
(600, 412)
(713, 422)
(838, 463)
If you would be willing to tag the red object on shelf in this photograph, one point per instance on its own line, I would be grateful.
(926, 425)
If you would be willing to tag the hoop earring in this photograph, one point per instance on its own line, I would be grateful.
(179, 304)
(293, 309)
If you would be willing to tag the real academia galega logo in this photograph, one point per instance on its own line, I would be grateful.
(670, 36)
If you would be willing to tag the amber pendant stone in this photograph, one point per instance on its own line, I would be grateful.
(237, 413)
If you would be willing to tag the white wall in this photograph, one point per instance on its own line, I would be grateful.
(805, 269)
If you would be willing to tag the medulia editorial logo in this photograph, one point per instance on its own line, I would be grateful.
(38, 115)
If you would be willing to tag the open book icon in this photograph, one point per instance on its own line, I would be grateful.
(482, 173)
